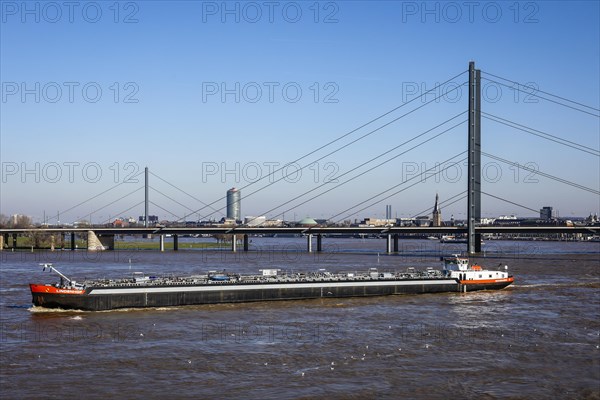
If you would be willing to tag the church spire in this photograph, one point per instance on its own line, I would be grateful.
(435, 207)
(437, 214)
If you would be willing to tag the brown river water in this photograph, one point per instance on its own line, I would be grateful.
(537, 339)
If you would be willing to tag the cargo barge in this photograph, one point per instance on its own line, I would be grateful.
(271, 284)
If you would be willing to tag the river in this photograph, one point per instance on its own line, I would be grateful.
(539, 338)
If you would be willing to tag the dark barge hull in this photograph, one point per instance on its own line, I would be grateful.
(99, 299)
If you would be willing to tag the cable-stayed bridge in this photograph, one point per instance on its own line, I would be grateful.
(469, 120)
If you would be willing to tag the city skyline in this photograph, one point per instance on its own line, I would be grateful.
(233, 213)
(220, 97)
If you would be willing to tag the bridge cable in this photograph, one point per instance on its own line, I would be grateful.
(552, 138)
(93, 197)
(170, 198)
(181, 190)
(164, 209)
(511, 202)
(546, 175)
(330, 153)
(519, 166)
(541, 97)
(341, 137)
(124, 211)
(395, 186)
(442, 203)
(112, 202)
(457, 200)
(368, 170)
(275, 171)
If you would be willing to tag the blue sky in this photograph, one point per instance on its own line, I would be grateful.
(211, 95)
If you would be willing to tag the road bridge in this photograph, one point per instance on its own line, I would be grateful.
(392, 233)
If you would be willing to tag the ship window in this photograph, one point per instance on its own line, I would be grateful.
(490, 275)
(480, 275)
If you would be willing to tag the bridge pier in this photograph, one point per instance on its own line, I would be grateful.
(2, 240)
(100, 242)
(246, 242)
(161, 240)
(234, 243)
(309, 242)
(72, 241)
(14, 241)
(319, 243)
(388, 243)
(92, 241)
(175, 242)
(396, 237)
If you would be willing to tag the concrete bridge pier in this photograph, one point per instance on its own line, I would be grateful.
(100, 242)
(388, 243)
(93, 243)
(246, 242)
(309, 242)
(161, 240)
(72, 241)
(319, 243)
(14, 241)
(175, 242)
(396, 238)
(234, 243)
(3, 239)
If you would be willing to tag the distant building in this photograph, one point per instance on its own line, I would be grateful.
(20, 221)
(120, 223)
(273, 223)
(437, 213)
(227, 221)
(153, 219)
(255, 221)
(378, 222)
(404, 222)
(234, 204)
(507, 217)
(388, 211)
(307, 222)
(422, 220)
(546, 213)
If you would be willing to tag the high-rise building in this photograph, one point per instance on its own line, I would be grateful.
(234, 204)
(437, 213)
(388, 211)
(547, 213)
